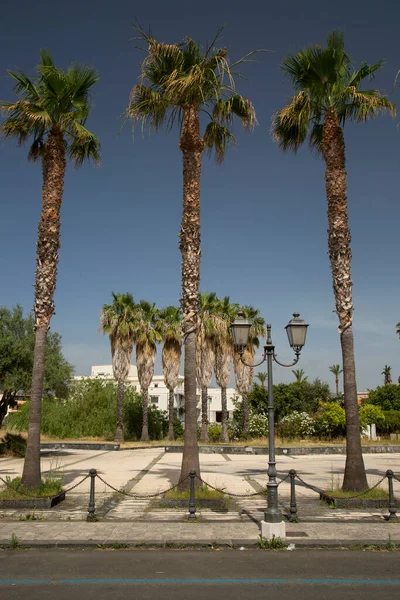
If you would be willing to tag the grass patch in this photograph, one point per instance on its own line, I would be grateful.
(375, 494)
(275, 543)
(202, 493)
(15, 491)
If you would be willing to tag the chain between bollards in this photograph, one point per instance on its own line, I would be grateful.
(91, 516)
(192, 496)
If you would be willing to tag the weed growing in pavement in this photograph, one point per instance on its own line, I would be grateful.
(14, 543)
(275, 543)
(31, 517)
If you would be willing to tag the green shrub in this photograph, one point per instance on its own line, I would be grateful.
(13, 444)
(391, 423)
(214, 432)
(369, 414)
(385, 396)
(330, 420)
(178, 429)
(90, 411)
(296, 425)
(258, 426)
(258, 423)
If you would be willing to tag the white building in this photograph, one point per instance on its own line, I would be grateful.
(158, 392)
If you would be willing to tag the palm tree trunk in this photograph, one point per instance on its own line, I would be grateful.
(337, 386)
(53, 166)
(339, 239)
(192, 146)
(119, 432)
(204, 414)
(245, 406)
(145, 418)
(171, 435)
(224, 435)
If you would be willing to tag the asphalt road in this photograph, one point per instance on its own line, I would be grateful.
(197, 575)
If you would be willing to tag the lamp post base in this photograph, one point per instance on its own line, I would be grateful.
(272, 515)
(273, 530)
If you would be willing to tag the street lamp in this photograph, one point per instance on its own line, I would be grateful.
(296, 331)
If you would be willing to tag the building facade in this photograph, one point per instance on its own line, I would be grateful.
(159, 394)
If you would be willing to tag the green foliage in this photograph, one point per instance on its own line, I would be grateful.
(330, 420)
(14, 490)
(202, 493)
(16, 358)
(386, 396)
(296, 425)
(275, 543)
(391, 423)
(302, 396)
(258, 423)
(178, 429)
(14, 544)
(90, 412)
(13, 445)
(369, 414)
(214, 432)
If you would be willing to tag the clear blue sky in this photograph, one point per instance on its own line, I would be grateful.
(264, 222)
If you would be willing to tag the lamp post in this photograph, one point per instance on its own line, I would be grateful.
(296, 331)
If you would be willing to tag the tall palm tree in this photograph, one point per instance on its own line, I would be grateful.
(337, 371)
(223, 354)
(177, 83)
(170, 325)
(146, 335)
(387, 375)
(299, 375)
(262, 378)
(244, 374)
(327, 93)
(208, 307)
(51, 111)
(117, 321)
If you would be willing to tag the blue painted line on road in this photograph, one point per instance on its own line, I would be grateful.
(201, 581)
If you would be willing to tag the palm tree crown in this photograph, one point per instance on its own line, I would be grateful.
(177, 76)
(398, 328)
(55, 100)
(325, 81)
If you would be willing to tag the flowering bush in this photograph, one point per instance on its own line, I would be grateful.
(258, 425)
(297, 424)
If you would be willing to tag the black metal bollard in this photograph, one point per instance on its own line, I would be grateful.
(293, 503)
(192, 496)
(392, 500)
(92, 506)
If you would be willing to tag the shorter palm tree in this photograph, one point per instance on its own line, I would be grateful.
(336, 370)
(299, 375)
(117, 321)
(169, 324)
(262, 378)
(146, 335)
(398, 328)
(387, 375)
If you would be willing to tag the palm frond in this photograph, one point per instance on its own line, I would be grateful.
(24, 86)
(362, 105)
(224, 110)
(147, 105)
(84, 145)
(217, 138)
(290, 124)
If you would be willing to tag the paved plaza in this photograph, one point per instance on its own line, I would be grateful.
(152, 470)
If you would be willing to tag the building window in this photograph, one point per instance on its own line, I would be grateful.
(154, 399)
(156, 385)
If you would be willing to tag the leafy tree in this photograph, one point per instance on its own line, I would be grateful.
(387, 375)
(290, 397)
(337, 371)
(177, 83)
(299, 375)
(386, 396)
(51, 111)
(146, 335)
(243, 373)
(170, 325)
(328, 93)
(17, 341)
(117, 321)
(330, 420)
